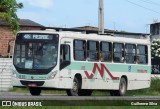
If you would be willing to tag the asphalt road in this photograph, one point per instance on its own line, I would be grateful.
(27, 96)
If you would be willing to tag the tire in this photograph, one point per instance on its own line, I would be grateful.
(34, 91)
(85, 92)
(75, 88)
(122, 88)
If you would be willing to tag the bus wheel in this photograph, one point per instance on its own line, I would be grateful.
(85, 92)
(75, 88)
(122, 88)
(35, 91)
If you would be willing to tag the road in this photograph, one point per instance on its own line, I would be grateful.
(27, 96)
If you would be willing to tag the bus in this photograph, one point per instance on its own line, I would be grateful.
(80, 63)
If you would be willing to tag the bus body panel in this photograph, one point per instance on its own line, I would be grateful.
(106, 82)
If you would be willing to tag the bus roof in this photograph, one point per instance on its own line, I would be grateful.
(96, 37)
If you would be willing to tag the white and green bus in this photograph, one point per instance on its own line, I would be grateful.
(80, 63)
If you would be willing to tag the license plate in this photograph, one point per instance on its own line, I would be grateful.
(32, 85)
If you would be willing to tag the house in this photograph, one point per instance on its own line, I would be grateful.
(7, 36)
(155, 30)
(92, 30)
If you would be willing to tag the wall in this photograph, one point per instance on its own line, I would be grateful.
(6, 35)
(5, 74)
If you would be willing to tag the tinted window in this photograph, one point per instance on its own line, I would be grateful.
(80, 50)
(130, 53)
(106, 51)
(118, 55)
(142, 54)
(93, 51)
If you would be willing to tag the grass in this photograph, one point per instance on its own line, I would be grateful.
(154, 90)
(26, 90)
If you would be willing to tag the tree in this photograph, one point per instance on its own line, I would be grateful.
(155, 49)
(8, 9)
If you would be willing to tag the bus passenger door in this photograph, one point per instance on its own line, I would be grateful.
(65, 62)
(64, 56)
(65, 53)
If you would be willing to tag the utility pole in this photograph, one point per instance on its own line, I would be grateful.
(101, 17)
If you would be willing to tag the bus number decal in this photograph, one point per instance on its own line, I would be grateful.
(101, 72)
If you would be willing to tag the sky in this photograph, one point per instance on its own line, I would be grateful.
(121, 15)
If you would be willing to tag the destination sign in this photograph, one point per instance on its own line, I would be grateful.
(38, 36)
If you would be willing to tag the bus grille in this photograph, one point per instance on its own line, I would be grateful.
(38, 83)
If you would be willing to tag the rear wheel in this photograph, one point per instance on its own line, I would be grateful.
(122, 88)
(75, 88)
(35, 91)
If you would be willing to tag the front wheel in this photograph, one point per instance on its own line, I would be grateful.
(35, 91)
(122, 88)
(75, 88)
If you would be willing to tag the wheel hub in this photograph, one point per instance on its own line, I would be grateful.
(122, 87)
(75, 87)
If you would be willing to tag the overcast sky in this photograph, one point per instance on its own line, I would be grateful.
(122, 15)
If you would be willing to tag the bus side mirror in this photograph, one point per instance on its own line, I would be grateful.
(9, 49)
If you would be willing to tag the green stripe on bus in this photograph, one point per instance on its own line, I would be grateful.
(111, 67)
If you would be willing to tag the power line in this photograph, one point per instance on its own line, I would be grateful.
(151, 2)
(143, 7)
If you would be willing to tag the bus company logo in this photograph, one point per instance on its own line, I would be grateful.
(6, 103)
(101, 71)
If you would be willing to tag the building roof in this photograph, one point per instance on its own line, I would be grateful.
(91, 29)
(23, 22)
(86, 28)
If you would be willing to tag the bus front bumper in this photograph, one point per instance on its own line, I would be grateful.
(53, 83)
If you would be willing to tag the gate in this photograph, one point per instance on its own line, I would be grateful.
(5, 74)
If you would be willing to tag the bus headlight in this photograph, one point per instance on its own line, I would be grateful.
(14, 73)
(53, 75)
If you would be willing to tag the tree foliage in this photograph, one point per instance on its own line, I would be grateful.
(155, 49)
(8, 9)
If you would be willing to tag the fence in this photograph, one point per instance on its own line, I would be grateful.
(5, 74)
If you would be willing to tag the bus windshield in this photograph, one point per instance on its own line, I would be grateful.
(36, 51)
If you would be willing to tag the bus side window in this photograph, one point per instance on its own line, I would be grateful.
(106, 51)
(80, 50)
(93, 51)
(64, 56)
(130, 50)
(118, 53)
(142, 54)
